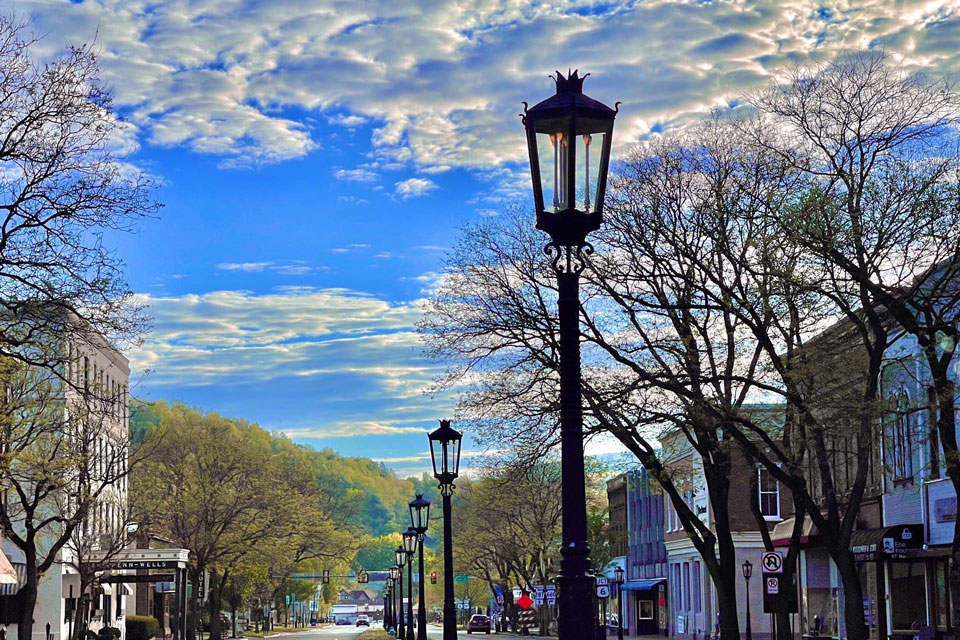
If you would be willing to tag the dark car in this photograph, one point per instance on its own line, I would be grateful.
(343, 621)
(478, 622)
(363, 621)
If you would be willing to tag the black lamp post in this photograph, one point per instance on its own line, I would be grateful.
(568, 136)
(445, 454)
(419, 521)
(410, 546)
(386, 606)
(618, 578)
(401, 558)
(747, 572)
(394, 573)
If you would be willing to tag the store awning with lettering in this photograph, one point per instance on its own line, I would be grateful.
(900, 542)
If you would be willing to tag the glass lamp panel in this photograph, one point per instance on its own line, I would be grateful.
(433, 456)
(455, 468)
(401, 558)
(410, 541)
(552, 151)
(589, 148)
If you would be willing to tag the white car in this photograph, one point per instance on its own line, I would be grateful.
(363, 620)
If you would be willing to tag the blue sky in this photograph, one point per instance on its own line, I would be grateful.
(318, 157)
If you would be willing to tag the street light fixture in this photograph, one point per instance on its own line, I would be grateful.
(410, 537)
(394, 573)
(445, 442)
(562, 143)
(618, 578)
(401, 558)
(419, 521)
(747, 572)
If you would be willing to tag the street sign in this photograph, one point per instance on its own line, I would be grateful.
(498, 590)
(524, 602)
(286, 599)
(517, 592)
(772, 562)
(773, 585)
(603, 591)
(601, 580)
(461, 578)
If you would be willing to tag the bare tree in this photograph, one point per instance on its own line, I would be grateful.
(879, 147)
(64, 183)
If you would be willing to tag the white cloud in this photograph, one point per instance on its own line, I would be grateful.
(249, 267)
(414, 187)
(443, 80)
(355, 175)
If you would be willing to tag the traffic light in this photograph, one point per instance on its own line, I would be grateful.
(326, 576)
(433, 578)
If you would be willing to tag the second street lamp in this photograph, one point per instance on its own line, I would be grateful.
(410, 546)
(394, 572)
(567, 135)
(419, 521)
(445, 454)
(618, 578)
(747, 572)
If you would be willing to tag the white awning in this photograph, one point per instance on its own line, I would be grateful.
(8, 575)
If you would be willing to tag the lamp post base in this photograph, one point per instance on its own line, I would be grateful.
(577, 618)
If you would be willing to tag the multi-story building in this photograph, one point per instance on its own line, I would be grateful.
(98, 377)
(636, 518)
(692, 599)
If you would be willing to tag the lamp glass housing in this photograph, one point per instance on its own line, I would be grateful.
(410, 538)
(394, 572)
(445, 445)
(747, 569)
(570, 172)
(618, 573)
(401, 557)
(420, 514)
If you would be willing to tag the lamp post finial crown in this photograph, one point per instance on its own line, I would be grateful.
(572, 83)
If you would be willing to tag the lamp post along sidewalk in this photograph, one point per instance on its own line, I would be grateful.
(445, 454)
(419, 521)
(619, 578)
(410, 546)
(401, 558)
(747, 573)
(394, 573)
(567, 135)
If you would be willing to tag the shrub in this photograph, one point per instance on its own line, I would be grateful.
(142, 627)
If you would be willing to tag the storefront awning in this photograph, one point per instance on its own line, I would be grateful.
(783, 530)
(900, 542)
(641, 585)
(8, 575)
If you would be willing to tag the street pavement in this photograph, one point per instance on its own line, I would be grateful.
(343, 632)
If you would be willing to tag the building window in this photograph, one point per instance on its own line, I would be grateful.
(903, 438)
(686, 586)
(645, 610)
(769, 494)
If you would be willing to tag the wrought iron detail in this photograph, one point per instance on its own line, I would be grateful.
(569, 258)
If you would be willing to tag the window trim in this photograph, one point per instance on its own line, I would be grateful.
(760, 493)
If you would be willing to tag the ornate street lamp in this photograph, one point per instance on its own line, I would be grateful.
(386, 606)
(747, 572)
(394, 573)
(568, 141)
(410, 537)
(445, 453)
(419, 521)
(618, 578)
(401, 558)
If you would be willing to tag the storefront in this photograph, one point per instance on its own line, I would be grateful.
(649, 604)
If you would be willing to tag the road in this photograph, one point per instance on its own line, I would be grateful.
(347, 633)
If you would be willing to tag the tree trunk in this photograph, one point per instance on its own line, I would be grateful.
(29, 591)
(853, 614)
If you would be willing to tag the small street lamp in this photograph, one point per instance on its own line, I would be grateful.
(386, 606)
(747, 572)
(569, 134)
(401, 558)
(618, 578)
(410, 546)
(445, 453)
(419, 521)
(394, 573)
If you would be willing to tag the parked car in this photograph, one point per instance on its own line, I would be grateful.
(343, 620)
(478, 622)
(363, 621)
